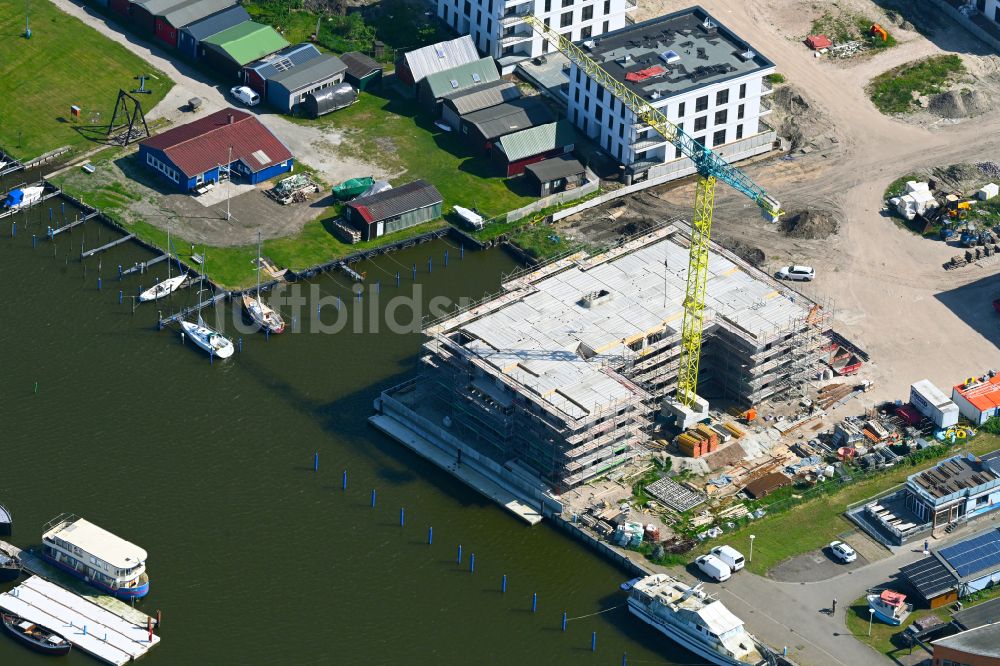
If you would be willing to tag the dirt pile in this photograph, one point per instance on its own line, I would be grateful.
(809, 224)
(797, 119)
(752, 255)
(959, 103)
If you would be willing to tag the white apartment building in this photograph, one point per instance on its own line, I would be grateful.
(990, 9)
(698, 73)
(497, 28)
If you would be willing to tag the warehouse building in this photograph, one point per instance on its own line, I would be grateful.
(482, 128)
(225, 144)
(256, 74)
(973, 647)
(190, 36)
(700, 75)
(288, 89)
(434, 86)
(228, 51)
(498, 30)
(455, 105)
(556, 174)
(170, 21)
(515, 151)
(394, 210)
(362, 72)
(958, 570)
(556, 380)
(978, 399)
(413, 66)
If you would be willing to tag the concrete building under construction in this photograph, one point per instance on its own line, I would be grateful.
(558, 378)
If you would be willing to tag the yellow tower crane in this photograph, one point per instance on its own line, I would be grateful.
(711, 168)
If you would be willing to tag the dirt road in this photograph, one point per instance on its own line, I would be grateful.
(886, 285)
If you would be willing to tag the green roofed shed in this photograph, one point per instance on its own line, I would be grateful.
(234, 47)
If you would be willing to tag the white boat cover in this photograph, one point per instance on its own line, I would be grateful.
(718, 619)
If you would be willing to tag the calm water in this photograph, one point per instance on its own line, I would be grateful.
(253, 557)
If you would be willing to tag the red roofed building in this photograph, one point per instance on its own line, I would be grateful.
(394, 210)
(817, 42)
(226, 143)
(978, 398)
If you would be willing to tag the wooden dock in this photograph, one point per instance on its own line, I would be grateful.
(106, 246)
(91, 628)
(142, 266)
(66, 227)
(166, 321)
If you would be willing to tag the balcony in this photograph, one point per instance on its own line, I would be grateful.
(631, 5)
(765, 107)
(516, 37)
(515, 16)
(765, 87)
(646, 143)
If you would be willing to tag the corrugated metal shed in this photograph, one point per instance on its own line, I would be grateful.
(246, 42)
(194, 10)
(482, 96)
(359, 65)
(158, 7)
(462, 77)
(309, 73)
(555, 168)
(519, 114)
(537, 140)
(397, 201)
(284, 60)
(441, 56)
(216, 23)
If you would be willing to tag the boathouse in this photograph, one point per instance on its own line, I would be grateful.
(190, 36)
(229, 50)
(227, 143)
(362, 72)
(514, 152)
(396, 209)
(181, 14)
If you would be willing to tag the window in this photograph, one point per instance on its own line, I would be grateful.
(680, 110)
(739, 131)
(576, 96)
(567, 3)
(606, 27)
(548, 5)
(545, 43)
(586, 104)
(547, 23)
(721, 117)
(621, 130)
(701, 103)
(490, 7)
(598, 113)
(479, 16)
(607, 7)
(722, 97)
(585, 33)
(700, 123)
(739, 112)
(588, 13)
(677, 153)
(566, 19)
(719, 138)
(467, 10)
(743, 90)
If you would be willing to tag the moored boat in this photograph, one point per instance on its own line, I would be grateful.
(697, 622)
(10, 566)
(22, 197)
(889, 606)
(33, 636)
(6, 521)
(97, 556)
(263, 314)
(165, 288)
(470, 217)
(208, 339)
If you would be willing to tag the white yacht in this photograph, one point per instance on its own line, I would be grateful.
(688, 616)
(165, 288)
(208, 339)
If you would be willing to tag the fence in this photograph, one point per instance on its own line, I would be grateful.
(592, 185)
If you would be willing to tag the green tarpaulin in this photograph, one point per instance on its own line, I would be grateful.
(352, 188)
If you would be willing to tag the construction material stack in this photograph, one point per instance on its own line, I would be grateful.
(698, 441)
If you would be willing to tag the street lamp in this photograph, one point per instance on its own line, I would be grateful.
(871, 616)
(752, 537)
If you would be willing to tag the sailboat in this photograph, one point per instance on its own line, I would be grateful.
(206, 337)
(266, 317)
(168, 286)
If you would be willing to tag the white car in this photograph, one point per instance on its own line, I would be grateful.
(842, 552)
(803, 273)
(714, 568)
(731, 557)
(245, 95)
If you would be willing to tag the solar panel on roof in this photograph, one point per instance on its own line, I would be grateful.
(973, 555)
(282, 65)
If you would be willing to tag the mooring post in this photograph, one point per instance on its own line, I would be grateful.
(98, 283)
(503, 584)
(446, 258)
(13, 229)
(397, 278)
(564, 621)
(459, 553)
(121, 297)
(430, 265)
(430, 535)
(402, 516)
(343, 483)
(624, 658)
(373, 498)
(211, 357)
(593, 641)
(239, 344)
(36, 388)
(316, 461)
(461, 251)
(50, 213)
(267, 334)
(534, 602)
(378, 287)
(414, 271)
(34, 241)
(472, 563)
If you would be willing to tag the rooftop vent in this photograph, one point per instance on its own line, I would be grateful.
(454, 83)
(708, 25)
(439, 50)
(625, 59)
(747, 55)
(595, 298)
(476, 77)
(589, 44)
(670, 57)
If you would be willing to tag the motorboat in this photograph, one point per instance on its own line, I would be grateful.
(33, 636)
(22, 197)
(470, 217)
(10, 566)
(889, 606)
(165, 288)
(208, 339)
(6, 521)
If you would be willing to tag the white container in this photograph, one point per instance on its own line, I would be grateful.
(988, 191)
(932, 403)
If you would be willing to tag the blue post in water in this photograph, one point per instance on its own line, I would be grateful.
(430, 535)
(121, 297)
(50, 213)
(211, 357)
(564, 621)
(446, 258)
(397, 278)
(534, 602)
(593, 641)
(373, 498)
(430, 265)
(119, 272)
(503, 584)
(62, 207)
(402, 516)
(378, 287)
(414, 271)
(239, 344)
(343, 483)
(459, 553)
(13, 230)
(34, 241)
(624, 658)
(338, 302)
(472, 563)
(98, 284)
(316, 461)
(84, 630)
(461, 251)
(267, 334)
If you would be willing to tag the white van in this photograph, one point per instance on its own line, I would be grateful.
(730, 556)
(245, 95)
(714, 568)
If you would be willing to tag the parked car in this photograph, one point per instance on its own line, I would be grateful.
(731, 557)
(842, 552)
(802, 273)
(714, 568)
(245, 95)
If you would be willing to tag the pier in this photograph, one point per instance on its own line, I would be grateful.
(55, 232)
(91, 628)
(106, 246)
(142, 266)
(166, 321)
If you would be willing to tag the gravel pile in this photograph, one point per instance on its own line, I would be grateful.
(991, 169)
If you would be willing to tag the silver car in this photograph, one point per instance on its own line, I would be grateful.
(842, 552)
(803, 273)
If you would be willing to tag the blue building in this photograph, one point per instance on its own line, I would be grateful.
(190, 36)
(227, 143)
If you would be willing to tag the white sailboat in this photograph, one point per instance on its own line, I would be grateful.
(266, 317)
(168, 286)
(205, 337)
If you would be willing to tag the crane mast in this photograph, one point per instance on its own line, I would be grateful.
(711, 168)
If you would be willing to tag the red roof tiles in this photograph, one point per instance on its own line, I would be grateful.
(202, 145)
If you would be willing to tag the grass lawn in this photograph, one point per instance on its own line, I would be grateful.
(541, 241)
(400, 137)
(882, 635)
(893, 91)
(64, 63)
(818, 521)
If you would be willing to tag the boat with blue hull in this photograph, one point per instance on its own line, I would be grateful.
(96, 556)
(889, 606)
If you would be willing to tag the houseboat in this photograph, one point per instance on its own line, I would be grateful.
(97, 556)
